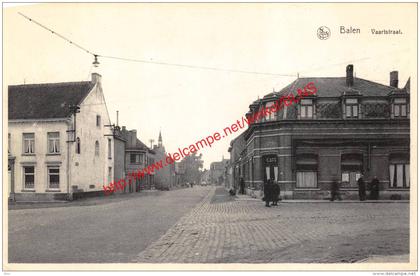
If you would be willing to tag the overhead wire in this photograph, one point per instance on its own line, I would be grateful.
(190, 66)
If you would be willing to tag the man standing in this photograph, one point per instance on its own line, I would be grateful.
(242, 186)
(335, 190)
(362, 188)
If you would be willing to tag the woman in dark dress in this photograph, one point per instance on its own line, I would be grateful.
(276, 194)
(268, 191)
(374, 189)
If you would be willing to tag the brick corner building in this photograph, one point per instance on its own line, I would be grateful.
(352, 126)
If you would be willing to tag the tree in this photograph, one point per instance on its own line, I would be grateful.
(192, 165)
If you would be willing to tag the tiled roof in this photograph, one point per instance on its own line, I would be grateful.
(334, 87)
(45, 101)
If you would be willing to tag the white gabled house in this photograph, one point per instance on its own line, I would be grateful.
(60, 140)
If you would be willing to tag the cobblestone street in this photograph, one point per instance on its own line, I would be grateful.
(221, 229)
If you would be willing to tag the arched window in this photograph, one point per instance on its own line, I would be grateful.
(97, 148)
(78, 145)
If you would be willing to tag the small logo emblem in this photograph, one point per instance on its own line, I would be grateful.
(323, 33)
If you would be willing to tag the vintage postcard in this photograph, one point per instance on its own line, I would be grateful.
(210, 136)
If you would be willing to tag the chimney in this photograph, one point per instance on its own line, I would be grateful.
(96, 78)
(133, 137)
(393, 79)
(349, 75)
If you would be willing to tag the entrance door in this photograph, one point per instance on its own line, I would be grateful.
(271, 169)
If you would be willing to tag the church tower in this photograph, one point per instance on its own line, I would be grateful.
(160, 139)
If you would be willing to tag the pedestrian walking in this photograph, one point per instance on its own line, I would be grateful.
(335, 190)
(276, 194)
(268, 191)
(242, 186)
(374, 189)
(362, 188)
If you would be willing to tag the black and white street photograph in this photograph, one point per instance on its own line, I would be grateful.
(210, 136)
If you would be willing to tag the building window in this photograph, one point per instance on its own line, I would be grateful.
(9, 140)
(29, 143)
(306, 179)
(352, 108)
(98, 120)
(109, 149)
(306, 109)
(29, 177)
(109, 174)
(136, 158)
(271, 116)
(53, 142)
(400, 108)
(53, 177)
(97, 148)
(78, 145)
(399, 175)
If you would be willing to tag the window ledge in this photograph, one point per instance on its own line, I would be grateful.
(53, 190)
(28, 154)
(307, 189)
(28, 191)
(398, 189)
(53, 154)
(349, 189)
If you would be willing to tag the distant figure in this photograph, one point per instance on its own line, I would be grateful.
(232, 192)
(192, 184)
(276, 194)
(362, 188)
(268, 191)
(374, 189)
(335, 190)
(242, 186)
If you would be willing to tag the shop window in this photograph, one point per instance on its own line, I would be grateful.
(306, 171)
(306, 179)
(53, 142)
(29, 143)
(400, 108)
(399, 175)
(352, 108)
(53, 177)
(29, 177)
(306, 109)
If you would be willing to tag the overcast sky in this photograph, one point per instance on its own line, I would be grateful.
(188, 104)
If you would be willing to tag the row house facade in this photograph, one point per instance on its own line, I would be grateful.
(60, 142)
(135, 156)
(217, 171)
(350, 127)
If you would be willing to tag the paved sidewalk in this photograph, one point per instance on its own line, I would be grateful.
(241, 230)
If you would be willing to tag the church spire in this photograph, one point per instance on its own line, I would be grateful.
(160, 139)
